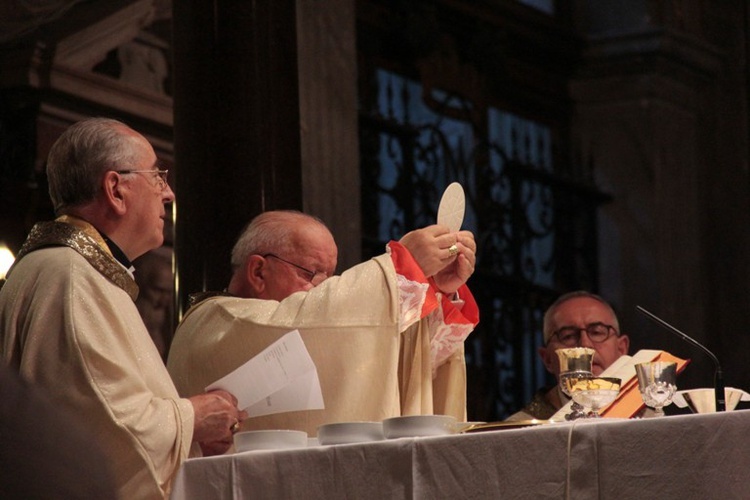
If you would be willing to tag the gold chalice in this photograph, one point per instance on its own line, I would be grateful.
(575, 365)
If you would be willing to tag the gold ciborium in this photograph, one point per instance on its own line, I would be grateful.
(575, 365)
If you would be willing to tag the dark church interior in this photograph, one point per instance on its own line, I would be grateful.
(602, 145)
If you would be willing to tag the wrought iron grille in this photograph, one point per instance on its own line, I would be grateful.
(535, 230)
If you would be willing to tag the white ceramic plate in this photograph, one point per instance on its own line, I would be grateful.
(269, 440)
(419, 425)
(350, 432)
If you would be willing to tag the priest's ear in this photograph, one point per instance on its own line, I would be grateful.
(256, 274)
(113, 190)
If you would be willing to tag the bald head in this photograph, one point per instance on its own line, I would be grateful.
(274, 231)
(281, 252)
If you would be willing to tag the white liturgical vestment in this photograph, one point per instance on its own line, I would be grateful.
(68, 324)
(383, 341)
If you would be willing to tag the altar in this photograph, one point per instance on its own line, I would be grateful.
(702, 456)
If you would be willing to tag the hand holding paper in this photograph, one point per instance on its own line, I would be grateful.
(281, 378)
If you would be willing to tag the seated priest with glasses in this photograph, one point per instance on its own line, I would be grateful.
(575, 319)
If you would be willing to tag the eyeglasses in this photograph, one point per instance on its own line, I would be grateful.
(314, 277)
(161, 176)
(570, 336)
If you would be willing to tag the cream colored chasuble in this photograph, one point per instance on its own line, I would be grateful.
(69, 325)
(372, 333)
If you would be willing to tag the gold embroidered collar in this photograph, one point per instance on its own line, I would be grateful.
(82, 237)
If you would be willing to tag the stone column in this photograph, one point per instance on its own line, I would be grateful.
(265, 118)
(236, 129)
(647, 115)
(329, 126)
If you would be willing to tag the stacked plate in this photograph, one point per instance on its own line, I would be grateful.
(269, 440)
(390, 428)
(350, 432)
(419, 425)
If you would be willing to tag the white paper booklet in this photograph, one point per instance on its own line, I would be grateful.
(281, 378)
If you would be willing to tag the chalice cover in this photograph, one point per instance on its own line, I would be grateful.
(452, 207)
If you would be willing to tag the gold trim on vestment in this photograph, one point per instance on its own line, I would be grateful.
(82, 237)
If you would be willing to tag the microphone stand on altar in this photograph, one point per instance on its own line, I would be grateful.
(720, 397)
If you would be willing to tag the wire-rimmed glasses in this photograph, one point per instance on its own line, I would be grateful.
(161, 177)
(314, 277)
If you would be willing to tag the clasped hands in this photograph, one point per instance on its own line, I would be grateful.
(448, 258)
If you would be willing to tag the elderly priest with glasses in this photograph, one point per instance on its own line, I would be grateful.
(386, 336)
(69, 324)
(575, 319)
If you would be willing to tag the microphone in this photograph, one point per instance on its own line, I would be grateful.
(718, 375)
